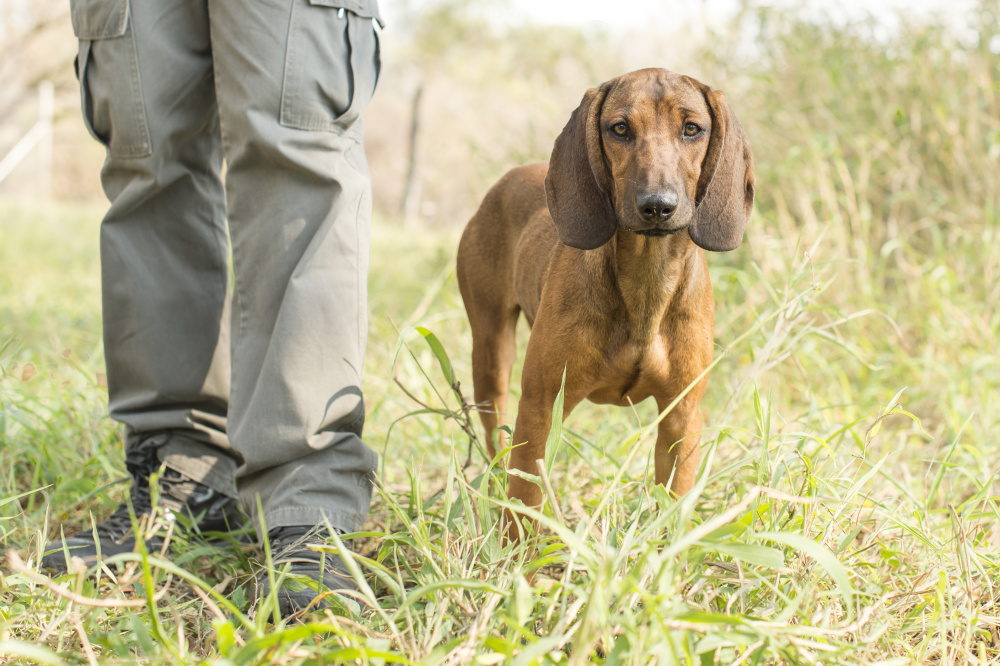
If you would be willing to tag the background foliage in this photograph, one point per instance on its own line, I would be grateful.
(846, 512)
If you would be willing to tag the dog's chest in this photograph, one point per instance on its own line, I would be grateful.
(633, 372)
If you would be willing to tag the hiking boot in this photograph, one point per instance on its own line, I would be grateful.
(303, 574)
(205, 509)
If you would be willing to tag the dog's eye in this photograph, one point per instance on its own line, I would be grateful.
(621, 129)
(690, 129)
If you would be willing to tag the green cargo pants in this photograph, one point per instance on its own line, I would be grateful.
(257, 393)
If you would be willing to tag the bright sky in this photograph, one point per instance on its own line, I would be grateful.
(633, 13)
(667, 17)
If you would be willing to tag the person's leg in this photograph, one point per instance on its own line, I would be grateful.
(148, 95)
(291, 79)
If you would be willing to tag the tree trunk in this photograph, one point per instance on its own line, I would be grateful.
(411, 195)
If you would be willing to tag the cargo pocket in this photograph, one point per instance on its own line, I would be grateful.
(108, 69)
(332, 64)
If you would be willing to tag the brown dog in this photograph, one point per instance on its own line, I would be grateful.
(602, 249)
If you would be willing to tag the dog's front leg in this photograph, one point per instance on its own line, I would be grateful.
(544, 363)
(678, 445)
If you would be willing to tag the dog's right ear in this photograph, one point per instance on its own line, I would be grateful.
(726, 186)
(577, 185)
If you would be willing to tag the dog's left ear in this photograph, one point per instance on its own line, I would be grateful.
(724, 198)
(577, 185)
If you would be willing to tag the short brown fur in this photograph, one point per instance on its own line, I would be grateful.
(602, 250)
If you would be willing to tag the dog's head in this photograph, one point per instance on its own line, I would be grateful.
(655, 153)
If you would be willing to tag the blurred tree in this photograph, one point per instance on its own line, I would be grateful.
(479, 61)
(32, 48)
(37, 86)
(435, 32)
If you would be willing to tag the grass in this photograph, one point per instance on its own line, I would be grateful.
(846, 510)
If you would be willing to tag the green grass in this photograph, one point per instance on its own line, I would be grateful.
(846, 511)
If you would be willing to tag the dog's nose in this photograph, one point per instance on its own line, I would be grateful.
(657, 206)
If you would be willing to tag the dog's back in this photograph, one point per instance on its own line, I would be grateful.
(505, 247)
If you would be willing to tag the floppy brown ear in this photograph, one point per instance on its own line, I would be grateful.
(576, 186)
(724, 198)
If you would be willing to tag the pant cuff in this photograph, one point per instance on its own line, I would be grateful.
(198, 463)
(292, 516)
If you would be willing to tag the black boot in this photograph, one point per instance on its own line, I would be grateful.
(307, 572)
(206, 510)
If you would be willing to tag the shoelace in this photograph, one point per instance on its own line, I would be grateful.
(293, 543)
(282, 539)
(140, 465)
